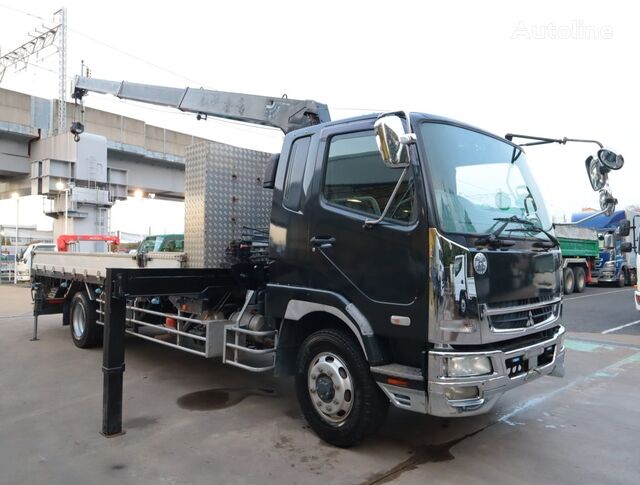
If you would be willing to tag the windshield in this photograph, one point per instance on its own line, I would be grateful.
(478, 180)
(164, 243)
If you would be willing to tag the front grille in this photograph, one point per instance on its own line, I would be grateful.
(524, 317)
(525, 301)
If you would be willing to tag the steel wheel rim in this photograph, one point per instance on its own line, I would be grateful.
(330, 388)
(78, 321)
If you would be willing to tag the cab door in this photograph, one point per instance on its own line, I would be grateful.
(380, 268)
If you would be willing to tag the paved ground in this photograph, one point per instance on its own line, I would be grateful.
(601, 309)
(194, 421)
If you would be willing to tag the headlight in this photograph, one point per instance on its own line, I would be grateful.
(467, 366)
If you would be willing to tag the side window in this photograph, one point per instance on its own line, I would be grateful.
(457, 266)
(295, 172)
(357, 178)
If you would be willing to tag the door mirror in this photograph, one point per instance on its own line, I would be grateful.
(608, 241)
(610, 159)
(624, 228)
(393, 141)
(607, 202)
(625, 247)
(597, 176)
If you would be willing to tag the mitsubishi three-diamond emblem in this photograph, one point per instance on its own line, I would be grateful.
(530, 321)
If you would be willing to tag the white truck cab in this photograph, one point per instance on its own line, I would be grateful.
(464, 285)
(24, 262)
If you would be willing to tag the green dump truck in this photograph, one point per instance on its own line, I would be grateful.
(580, 250)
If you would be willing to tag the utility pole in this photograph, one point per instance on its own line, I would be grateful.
(62, 70)
(16, 196)
(43, 37)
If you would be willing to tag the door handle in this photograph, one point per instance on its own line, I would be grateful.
(322, 242)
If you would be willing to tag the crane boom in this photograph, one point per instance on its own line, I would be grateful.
(284, 113)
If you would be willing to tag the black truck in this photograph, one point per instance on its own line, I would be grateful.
(351, 288)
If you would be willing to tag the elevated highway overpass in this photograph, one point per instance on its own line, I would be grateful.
(117, 156)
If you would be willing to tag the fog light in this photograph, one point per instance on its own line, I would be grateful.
(460, 393)
(467, 366)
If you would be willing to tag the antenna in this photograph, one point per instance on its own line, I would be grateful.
(43, 37)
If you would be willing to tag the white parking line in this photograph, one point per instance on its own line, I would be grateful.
(621, 327)
(569, 298)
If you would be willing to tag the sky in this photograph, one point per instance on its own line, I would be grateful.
(546, 68)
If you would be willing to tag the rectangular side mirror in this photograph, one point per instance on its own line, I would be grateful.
(393, 141)
(608, 241)
(625, 247)
(624, 228)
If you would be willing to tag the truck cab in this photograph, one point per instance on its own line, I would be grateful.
(23, 266)
(162, 243)
(359, 244)
(464, 285)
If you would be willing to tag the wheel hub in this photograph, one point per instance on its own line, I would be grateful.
(324, 386)
(330, 388)
(78, 321)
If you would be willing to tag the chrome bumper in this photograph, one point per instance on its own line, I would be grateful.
(488, 388)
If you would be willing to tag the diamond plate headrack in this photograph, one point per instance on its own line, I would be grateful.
(223, 193)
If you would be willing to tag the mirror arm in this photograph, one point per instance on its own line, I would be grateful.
(587, 218)
(372, 222)
(539, 140)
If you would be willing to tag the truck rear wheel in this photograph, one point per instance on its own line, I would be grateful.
(85, 332)
(569, 281)
(580, 279)
(336, 392)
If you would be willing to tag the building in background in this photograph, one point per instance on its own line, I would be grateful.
(26, 235)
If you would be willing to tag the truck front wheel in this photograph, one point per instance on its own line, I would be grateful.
(463, 303)
(569, 281)
(337, 394)
(622, 278)
(85, 331)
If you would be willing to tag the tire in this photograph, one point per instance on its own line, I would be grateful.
(633, 278)
(341, 418)
(463, 305)
(622, 279)
(580, 279)
(569, 281)
(85, 332)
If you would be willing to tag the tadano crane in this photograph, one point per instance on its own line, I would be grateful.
(283, 113)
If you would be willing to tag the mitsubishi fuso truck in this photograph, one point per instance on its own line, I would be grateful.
(337, 261)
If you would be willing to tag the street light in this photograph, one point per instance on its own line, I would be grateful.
(61, 186)
(16, 196)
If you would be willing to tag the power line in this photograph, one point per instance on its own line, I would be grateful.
(21, 11)
(246, 127)
(109, 46)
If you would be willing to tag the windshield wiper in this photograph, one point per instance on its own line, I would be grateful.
(530, 227)
(493, 238)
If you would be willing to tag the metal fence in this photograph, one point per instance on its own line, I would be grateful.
(7, 271)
